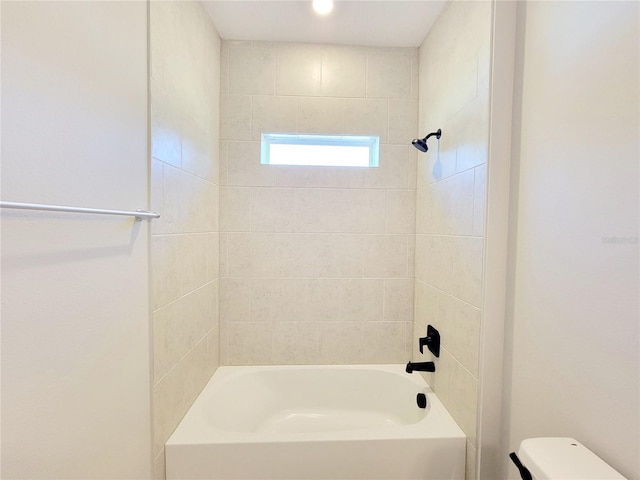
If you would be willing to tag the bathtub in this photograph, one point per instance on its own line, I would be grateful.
(316, 422)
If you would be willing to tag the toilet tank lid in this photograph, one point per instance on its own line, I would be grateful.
(552, 458)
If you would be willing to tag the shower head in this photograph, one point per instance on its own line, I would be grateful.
(421, 143)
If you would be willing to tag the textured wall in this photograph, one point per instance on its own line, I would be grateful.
(185, 76)
(450, 204)
(573, 359)
(316, 262)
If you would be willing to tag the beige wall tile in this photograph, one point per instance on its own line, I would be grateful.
(366, 117)
(235, 299)
(260, 62)
(298, 70)
(440, 160)
(388, 75)
(457, 321)
(224, 68)
(298, 272)
(463, 401)
(244, 168)
(442, 379)
(191, 74)
(223, 157)
(198, 150)
(400, 211)
(426, 305)
(250, 343)
(179, 326)
(403, 121)
(464, 338)
(223, 258)
(272, 255)
(472, 134)
(454, 61)
(413, 167)
(235, 209)
(280, 300)
(415, 79)
(317, 300)
(362, 342)
(296, 255)
(361, 300)
(214, 176)
(420, 256)
(340, 255)
(462, 87)
(271, 299)
(384, 256)
(341, 343)
(348, 211)
(235, 117)
(295, 343)
(166, 127)
(320, 115)
(274, 115)
(319, 177)
(185, 247)
(213, 256)
(446, 207)
(273, 209)
(189, 203)
(394, 168)
(452, 264)
(343, 72)
(224, 343)
(411, 255)
(398, 299)
(177, 266)
(385, 342)
(174, 394)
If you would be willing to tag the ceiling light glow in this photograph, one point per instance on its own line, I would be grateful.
(323, 6)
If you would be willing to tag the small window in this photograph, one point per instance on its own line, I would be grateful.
(319, 150)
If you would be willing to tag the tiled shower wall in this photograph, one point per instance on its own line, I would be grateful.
(316, 262)
(450, 203)
(184, 87)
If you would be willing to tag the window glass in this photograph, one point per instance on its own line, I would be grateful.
(319, 150)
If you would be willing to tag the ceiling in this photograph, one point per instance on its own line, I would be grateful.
(390, 23)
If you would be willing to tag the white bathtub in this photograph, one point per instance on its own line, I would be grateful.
(316, 422)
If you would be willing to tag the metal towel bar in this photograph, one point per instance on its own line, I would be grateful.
(138, 214)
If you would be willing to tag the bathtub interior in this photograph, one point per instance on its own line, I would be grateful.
(311, 399)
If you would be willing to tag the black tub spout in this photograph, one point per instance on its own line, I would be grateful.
(421, 367)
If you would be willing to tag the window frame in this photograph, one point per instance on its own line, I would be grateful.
(372, 142)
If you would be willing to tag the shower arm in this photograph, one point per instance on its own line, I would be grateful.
(438, 134)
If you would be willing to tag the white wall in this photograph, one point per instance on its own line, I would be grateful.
(75, 297)
(573, 357)
(316, 262)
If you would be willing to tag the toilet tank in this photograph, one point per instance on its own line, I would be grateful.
(561, 458)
